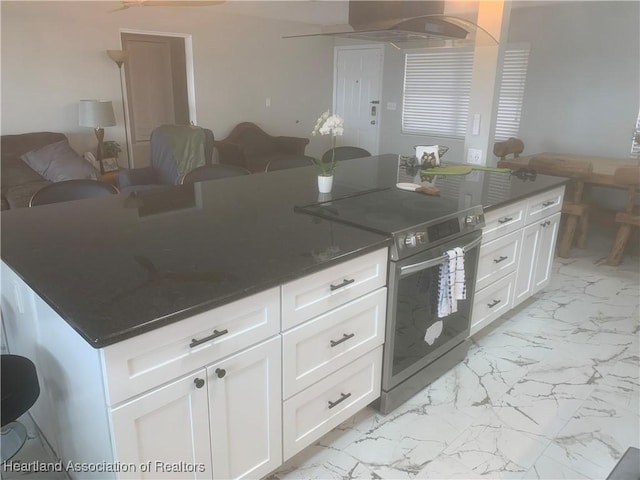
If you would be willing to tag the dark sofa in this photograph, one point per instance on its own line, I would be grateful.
(18, 181)
(31, 161)
(250, 147)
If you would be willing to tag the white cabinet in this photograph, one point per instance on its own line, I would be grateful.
(544, 256)
(516, 255)
(166, 426)
(333, 330)
(220, 422)
(202, 398)
(146, 361)
(245, 412)
(317, 293)
(329, 402)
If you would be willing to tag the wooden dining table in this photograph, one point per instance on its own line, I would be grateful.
(602, 175)
(603, 167)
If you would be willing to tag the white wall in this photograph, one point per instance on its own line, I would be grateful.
(583, 86)
(53, 55)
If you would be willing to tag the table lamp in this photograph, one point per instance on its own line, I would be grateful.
(97, 114)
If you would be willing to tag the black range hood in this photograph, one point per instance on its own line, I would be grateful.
(406, 23)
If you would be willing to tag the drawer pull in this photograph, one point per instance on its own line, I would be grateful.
(344, 338)
(501, 259)
(505, 219)
(544, 224)
(343, 284)
(221, 372)
(215, 334)
(343, 397)
(199, 382)
(493, 304)
(548, 203)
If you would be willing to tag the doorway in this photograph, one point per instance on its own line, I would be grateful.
(158, 87)
(357, 94)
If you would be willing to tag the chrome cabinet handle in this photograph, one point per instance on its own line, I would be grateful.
(505, 219)
(343, 284)
(493, 304)
(344, 338)
(215, 334)
(501, 259)
(548, 203)
(544, 224)
(343, 397)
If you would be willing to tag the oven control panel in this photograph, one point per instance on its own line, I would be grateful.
(426, 236)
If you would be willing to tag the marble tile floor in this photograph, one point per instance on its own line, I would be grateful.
(551, 391)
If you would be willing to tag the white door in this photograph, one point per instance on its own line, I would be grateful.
(357, 95)
(167, 425)
(246, 412)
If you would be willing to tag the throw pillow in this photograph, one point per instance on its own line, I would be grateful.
(58, 162)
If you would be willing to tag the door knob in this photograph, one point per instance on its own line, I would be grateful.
(199, 382)
(220, 372)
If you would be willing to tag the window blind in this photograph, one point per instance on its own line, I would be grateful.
(437, 91)
(437, 88)
(514, 77)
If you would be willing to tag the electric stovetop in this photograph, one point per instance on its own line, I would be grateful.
(387, 211)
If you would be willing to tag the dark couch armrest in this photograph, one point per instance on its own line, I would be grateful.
(230, 153)
(136, 176)
(293, 145)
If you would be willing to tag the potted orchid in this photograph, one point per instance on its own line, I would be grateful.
(332, 125)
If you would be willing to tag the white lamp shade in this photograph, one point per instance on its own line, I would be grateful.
(96, 114)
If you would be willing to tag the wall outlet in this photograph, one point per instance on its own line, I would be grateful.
(474, 156)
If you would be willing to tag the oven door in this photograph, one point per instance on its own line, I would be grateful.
(413, 307)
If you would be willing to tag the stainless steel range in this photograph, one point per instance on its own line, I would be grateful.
(423, 229)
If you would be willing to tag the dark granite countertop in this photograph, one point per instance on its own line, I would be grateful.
(120, 266)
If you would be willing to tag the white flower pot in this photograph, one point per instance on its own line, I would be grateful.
(325, 183)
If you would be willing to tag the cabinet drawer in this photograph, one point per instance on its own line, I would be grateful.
(320, 346)
(314, 294)
(146, 361)
(321, 407)
(491, 302)
(503, 220)
(498, 258)
(544, 204)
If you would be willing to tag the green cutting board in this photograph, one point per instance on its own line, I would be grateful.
(460, 169)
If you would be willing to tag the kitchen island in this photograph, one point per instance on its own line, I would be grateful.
(98, 292)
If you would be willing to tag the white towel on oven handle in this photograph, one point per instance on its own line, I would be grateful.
(451, 284)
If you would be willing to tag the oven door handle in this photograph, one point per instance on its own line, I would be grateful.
(416, 267)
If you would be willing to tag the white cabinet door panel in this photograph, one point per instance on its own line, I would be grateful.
(246, 412)
(491, 302)
(546, 252)
(498, 258)
(320, 346)
(164, 427)
(324, 405)
(319, 292)
(503, 220)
